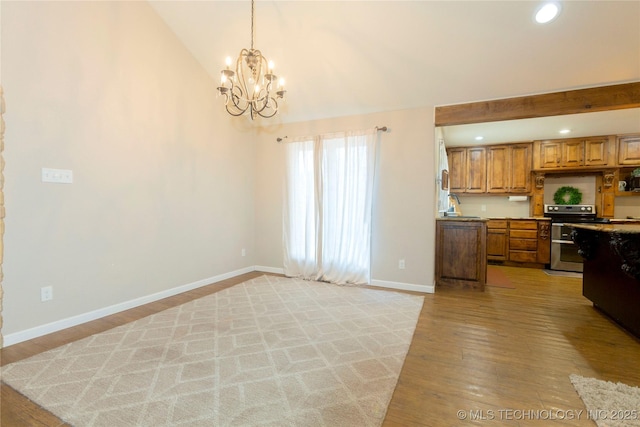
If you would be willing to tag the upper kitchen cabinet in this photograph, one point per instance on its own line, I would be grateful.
(574, 153)
(629, 150)
(467, 170)
(599, 151)
(509, 168)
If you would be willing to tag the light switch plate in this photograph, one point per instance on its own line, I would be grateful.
(60, 176)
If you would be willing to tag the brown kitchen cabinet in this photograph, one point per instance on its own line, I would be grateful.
(497, 240)
(519, 241)
(499, 169)
(629, 150)
(461, 257)
(509, 168)
(523, 240)
(576, 153)
(467, 170)
(558, 154)
(457, 158)
(599, 151)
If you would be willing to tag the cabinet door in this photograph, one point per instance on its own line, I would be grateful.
(608, 204)
(629, 150)
(596, 151)
(498, 169)
(476, 170)
(461, 257)
(520, 168)
(457, 166)
(497, 240)
(572, 154)
(550, 154)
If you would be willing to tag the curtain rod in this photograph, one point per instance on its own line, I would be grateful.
(378, 129)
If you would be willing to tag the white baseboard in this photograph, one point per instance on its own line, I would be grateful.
(38, 331)
(429, 289)
(48, 328)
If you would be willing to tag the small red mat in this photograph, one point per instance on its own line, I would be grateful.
(497, 278)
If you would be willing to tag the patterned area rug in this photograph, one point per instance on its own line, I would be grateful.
(272, 351)
(609, 404)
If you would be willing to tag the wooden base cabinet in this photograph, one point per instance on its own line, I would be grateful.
(519, 241)
(461, 257)
(497, 240)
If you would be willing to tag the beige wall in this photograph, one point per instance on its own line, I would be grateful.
(163, 185)
(404, 204)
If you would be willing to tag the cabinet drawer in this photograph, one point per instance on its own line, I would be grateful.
(523, 234)
(523, 244)
(497, 223)
(523, 225)
(522, 256)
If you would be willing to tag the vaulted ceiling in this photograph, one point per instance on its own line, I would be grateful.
(353, 57)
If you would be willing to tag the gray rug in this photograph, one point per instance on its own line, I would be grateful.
(609, 404)
(271, 351)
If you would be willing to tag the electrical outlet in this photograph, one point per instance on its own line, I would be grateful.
(483, 208)
(401, 264)
(244, 252)
(46, 293)
(60, 176)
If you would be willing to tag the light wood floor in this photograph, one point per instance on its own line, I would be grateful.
(509, 351)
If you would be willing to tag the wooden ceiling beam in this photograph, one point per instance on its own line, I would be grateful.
(603, 98)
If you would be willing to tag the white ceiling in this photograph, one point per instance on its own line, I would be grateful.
(354, 57)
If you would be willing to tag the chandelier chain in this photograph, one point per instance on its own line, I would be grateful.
(253, 8)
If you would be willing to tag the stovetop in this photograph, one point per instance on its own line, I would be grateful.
(573, 213)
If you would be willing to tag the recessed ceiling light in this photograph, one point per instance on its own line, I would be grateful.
(563, 131)
(547, 13)
(479, 138)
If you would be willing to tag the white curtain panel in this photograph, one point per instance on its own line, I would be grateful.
(443, 164)
(327, 229)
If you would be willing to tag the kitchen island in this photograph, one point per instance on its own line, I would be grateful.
(611, 276)
(461, 253)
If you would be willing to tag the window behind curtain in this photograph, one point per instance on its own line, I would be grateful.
(327, 212)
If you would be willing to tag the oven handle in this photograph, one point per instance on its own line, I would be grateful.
(564, 242)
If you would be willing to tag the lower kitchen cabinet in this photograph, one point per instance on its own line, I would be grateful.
(461, 257)
(497, 240)
(523, 240)
(519, 241)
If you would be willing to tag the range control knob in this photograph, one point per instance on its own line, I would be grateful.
(583, 209)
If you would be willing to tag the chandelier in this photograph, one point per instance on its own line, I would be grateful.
(252, 86)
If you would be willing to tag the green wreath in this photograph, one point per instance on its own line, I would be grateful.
(567, 196)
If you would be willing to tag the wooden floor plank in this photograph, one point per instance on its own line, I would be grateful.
(498, 350)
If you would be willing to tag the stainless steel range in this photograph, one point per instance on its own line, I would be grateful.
(564, 253)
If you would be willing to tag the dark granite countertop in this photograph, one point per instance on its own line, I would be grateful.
(609, 228)
(462, 218)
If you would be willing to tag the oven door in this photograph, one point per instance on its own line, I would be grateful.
(564, 253)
